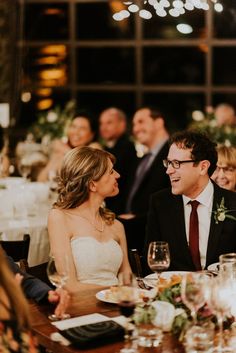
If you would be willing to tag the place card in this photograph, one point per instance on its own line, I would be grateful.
(80, 320)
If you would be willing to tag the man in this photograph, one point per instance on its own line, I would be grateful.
(149, 175)
(39, 291)
(112, 127)
(188, 215)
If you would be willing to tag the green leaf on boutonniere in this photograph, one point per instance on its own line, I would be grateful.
(221, 212)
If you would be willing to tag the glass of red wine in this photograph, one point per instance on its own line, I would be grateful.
(158, 257)
(127, 299)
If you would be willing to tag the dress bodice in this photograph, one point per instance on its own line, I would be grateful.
(96, 262)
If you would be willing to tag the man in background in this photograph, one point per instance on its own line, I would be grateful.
(113, 131)
(149, 176)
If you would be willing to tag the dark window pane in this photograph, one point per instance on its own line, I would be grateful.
(94, 21)
(45, 22)
(39, 100)
(224, 65)
(225, 21)
(46, 66)
(229, 98)
(165, 27)
(97, 101)
(106, 65)
(173, 65)
(176, 107)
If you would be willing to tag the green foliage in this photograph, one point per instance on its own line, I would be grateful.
(53, 123)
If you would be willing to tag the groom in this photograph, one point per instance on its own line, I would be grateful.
(187, 215)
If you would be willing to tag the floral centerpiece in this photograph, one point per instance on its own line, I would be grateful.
(206, 123)
(54, 122)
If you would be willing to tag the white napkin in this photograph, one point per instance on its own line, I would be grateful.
(165, 314)
(80, 320)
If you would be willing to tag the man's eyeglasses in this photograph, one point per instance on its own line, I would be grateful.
(175, 164)
(226, 170)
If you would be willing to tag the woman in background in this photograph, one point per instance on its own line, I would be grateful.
(81, 132)
(15, 334)
(225, 173)
(81, 228)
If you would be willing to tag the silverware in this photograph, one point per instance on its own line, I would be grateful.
(142, 284)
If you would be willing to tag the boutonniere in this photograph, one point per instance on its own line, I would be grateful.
(222, 212)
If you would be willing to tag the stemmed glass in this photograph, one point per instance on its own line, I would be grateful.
(127, 298)
(158, 257)
(58, 275)
(24, 168)
(193, 292)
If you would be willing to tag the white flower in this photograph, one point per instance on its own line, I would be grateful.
(165, 314)
(213, 123)
(198, 115)
(227, 143)
(52, 117)
(221, 216)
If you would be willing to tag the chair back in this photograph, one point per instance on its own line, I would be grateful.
(17, 249)
(39, 271)
(136, 262)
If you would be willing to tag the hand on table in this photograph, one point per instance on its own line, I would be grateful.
(60, 297)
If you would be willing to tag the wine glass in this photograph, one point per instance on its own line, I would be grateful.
(127, 298)
(158, 257)
(218, 300)
(193, 292)
(58, 275)
(24, 168)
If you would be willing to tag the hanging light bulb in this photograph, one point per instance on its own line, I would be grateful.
(162, 8)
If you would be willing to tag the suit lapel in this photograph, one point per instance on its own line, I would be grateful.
(215, 229)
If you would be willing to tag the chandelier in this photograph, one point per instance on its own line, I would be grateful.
(162, 8)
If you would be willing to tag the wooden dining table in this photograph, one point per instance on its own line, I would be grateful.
(84, 303)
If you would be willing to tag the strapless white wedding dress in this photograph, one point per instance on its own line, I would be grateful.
(96, 262)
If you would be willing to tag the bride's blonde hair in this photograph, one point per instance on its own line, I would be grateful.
(80, 166)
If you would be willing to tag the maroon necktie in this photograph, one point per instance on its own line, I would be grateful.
(194, 235)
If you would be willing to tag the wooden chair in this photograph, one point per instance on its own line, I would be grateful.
(17, 249)
(136, 262)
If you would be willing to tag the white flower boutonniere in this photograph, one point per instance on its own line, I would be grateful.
(222, 212)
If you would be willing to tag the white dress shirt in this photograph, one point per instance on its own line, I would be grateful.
(204, 211)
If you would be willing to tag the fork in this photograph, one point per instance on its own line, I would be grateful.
(142, 284)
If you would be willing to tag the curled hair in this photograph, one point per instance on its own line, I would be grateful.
(202, 148)
(227, 155)
(80, 166)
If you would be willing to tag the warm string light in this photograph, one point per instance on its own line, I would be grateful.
(162, 8)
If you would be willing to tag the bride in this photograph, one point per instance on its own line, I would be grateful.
(81, 227)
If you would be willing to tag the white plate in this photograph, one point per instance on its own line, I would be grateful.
(214, 267)
(106, 296)
(166, 275)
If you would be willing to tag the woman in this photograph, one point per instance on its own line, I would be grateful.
(15, 335)
(80, 227)
(225, 173)
(81, 132)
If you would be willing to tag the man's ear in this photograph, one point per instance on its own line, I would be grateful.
(205, 164)
(92, 186)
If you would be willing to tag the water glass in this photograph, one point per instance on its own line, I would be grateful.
(200, 338)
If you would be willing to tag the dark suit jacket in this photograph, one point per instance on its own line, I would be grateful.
(126, 157)
(33, 287)
(166, 222)
(155, 179)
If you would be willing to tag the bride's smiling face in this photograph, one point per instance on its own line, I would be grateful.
(107, 185)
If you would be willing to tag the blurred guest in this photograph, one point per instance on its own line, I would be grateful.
(225, 173)
(4, 160)
(113, 131)
(80, 227)
(15, 333)
(225, 114)
(149, 128)
(39, 291)
(81, 132)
